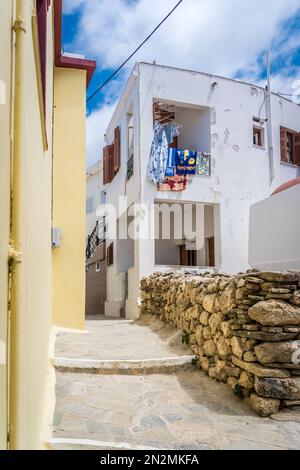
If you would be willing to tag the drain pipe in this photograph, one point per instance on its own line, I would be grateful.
(14, 257)
(269, 123)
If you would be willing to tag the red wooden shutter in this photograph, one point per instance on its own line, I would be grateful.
(117, 150)
(105, 165)
(283, 145)
(296, 152)
(111, 172)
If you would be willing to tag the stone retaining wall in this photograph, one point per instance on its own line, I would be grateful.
(243, 329)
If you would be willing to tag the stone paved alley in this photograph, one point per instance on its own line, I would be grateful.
(129, 385)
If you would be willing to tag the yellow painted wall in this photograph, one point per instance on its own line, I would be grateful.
(31, 377)
(5, 154)
(69, 169)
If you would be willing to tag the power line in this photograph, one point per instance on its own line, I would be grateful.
(136, 50)
(287, 94)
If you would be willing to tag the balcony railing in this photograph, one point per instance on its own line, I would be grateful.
(97, 236)
(130, 167)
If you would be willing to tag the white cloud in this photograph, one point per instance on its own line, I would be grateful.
(97, 123)
(70, 6)
(209, 35)
(215, 36)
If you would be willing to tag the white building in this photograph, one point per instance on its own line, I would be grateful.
(274, 232)
(250, 157)
(95, 194)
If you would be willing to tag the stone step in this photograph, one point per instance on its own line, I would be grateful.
(160, 411)
(91, 444)
(124, 366)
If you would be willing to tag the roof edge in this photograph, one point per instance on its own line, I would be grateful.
(216, 76)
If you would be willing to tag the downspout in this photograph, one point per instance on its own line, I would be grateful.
(269, 122)
(14, 256)
(9, 272)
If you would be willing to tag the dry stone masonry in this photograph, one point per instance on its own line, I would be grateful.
(244, 329)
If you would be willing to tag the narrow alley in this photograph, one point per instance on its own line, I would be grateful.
(130, 385)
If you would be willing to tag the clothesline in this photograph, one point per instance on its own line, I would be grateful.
(163, 113)
(169, 168)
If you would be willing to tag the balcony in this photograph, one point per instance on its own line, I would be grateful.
(130, 167)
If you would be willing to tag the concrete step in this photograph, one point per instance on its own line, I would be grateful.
(162, 365)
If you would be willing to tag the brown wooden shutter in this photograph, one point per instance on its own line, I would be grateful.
(105, 165)
(283, 145)
(174, 144)
(110, 254)
(117, 150)
(296, 153)
(110, 162)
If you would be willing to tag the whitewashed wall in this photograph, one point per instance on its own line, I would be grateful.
(240, 171)
(274, 232)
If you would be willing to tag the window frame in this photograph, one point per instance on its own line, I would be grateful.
(289, 154)
(290, 147)
(261, 136)
(89, 209)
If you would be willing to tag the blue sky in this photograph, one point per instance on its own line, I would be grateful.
(227, 38)
(70, 32)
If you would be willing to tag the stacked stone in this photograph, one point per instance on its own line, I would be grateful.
(243, 329)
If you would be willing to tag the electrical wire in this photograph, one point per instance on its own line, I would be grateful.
(131, 55)
(287, 94)
(265, 97)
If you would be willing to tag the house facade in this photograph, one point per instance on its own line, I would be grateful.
(42, 245)
(250, 140)
(95, 241)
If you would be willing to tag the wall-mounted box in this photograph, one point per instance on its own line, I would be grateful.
(56, 237)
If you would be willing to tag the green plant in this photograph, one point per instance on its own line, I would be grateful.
(185, 337)
(195, 360)
(238, 391)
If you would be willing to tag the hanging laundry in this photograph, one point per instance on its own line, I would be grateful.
(174, 183)
(158, 155)
(185, 162)
(203, 164)
(172, 130)
(170, 168)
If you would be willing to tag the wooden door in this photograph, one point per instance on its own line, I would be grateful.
(211, 251)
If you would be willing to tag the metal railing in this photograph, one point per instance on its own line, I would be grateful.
(130, 167)
(97, 236)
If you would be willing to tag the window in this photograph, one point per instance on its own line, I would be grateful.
(258, 136)
(289, 146)
(89, 205)
(98, 267)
